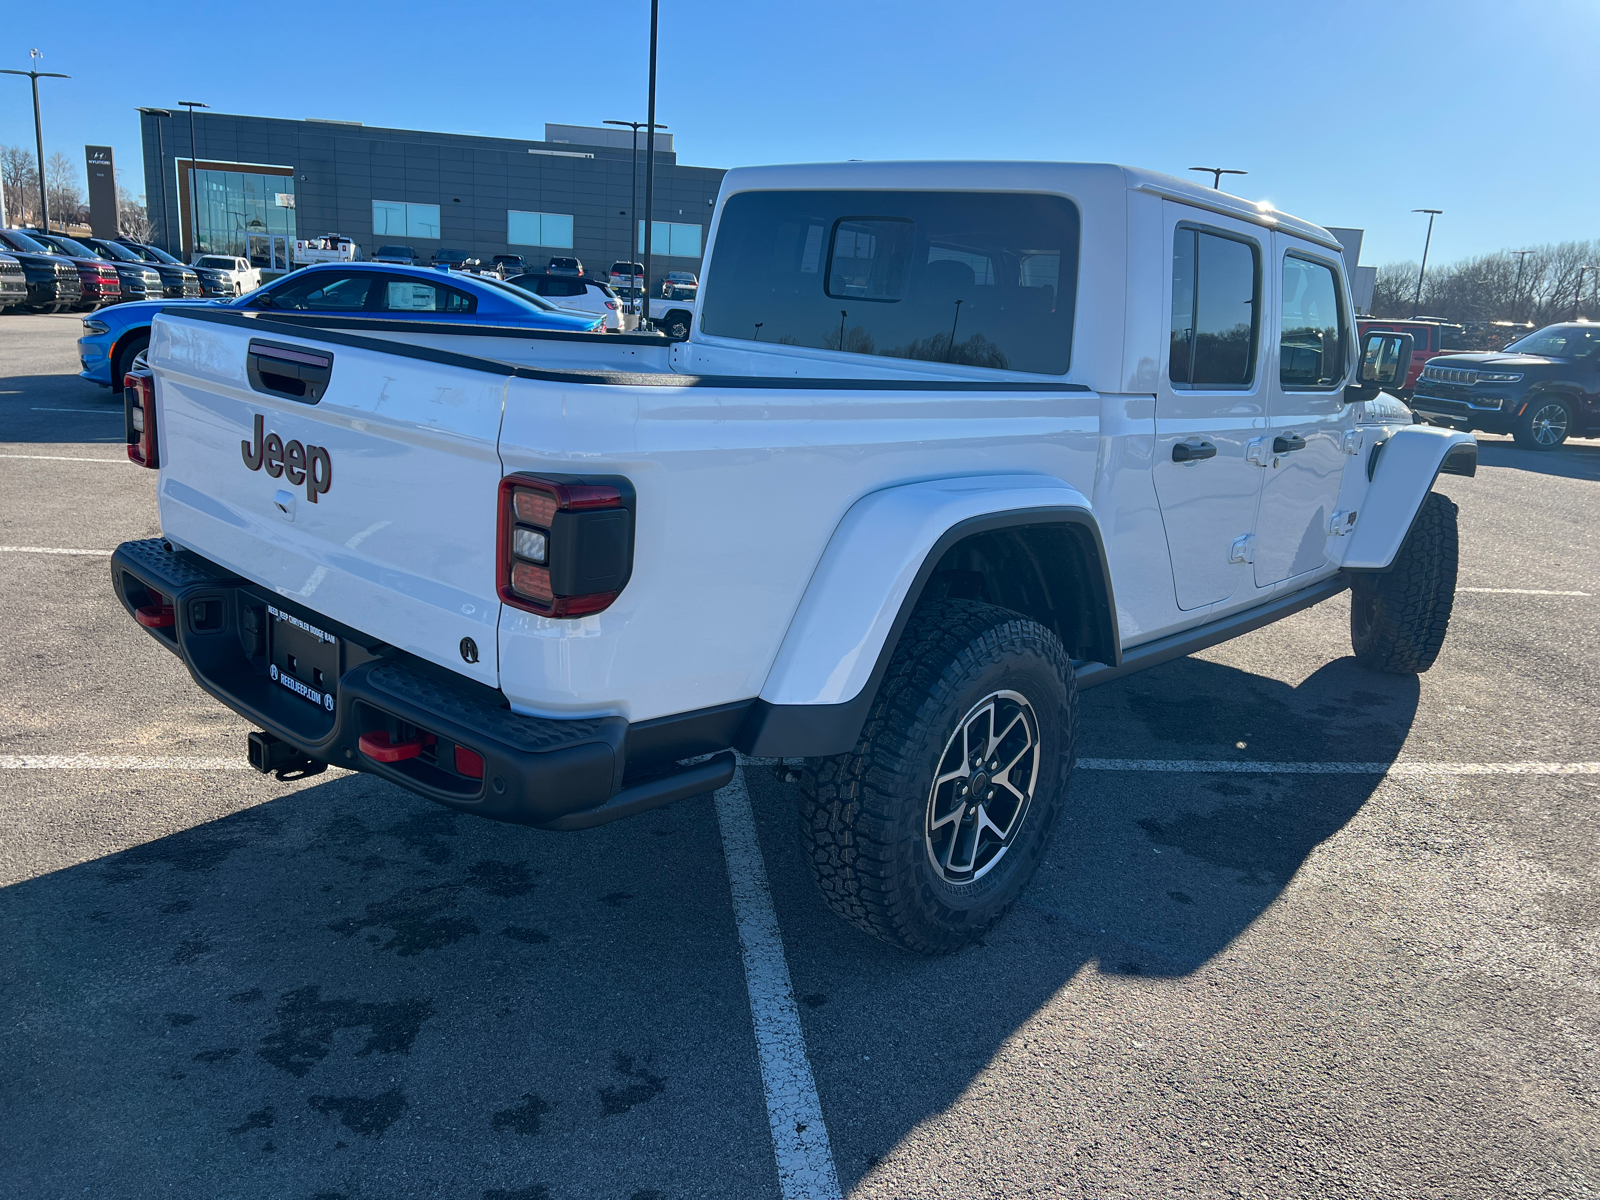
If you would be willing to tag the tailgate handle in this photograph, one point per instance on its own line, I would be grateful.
(293, 372)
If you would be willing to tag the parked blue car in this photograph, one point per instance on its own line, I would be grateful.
(114, 335)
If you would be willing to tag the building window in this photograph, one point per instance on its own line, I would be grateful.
(673, 240)
(395, 218)
(239, 210)
(539, 229)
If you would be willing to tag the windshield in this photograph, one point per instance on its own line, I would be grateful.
(162, 256)
(1559, 341)
(67, 246)
(113, 251)
(529, 298)
(219, 264)
(394, 251)
(21, 241)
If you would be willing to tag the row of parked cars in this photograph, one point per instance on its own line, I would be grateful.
(43, 271)
(624, 277)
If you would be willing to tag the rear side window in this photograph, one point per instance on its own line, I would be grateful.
(416, 295)
(1216, 301)
(979, 279)
(1311, 347)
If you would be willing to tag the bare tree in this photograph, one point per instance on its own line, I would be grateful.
(1394, 290)
(132, 218)
(21, 181)
(64, 192)
(1494, 287)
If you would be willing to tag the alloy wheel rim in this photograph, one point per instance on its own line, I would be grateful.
(983, 787)
(1550, 425)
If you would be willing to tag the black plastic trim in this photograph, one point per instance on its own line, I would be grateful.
(816, 730)
(1152, 654)
(604, 378)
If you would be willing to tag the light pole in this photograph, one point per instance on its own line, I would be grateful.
(1416, 305)
(1516, 291)
(633, 176)
(1577, 292)
(161, 161)
(650, 165)
(1217, 173)
(194, 180)
(38, 129)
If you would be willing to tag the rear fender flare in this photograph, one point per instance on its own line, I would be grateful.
(866, 584)
(1411, 461)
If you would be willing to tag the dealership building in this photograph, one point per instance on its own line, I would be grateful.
(260, 184)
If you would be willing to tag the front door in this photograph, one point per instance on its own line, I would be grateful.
(1210, 402)
(1303, 451)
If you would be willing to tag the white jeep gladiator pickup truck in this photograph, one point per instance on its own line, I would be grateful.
(946, 443)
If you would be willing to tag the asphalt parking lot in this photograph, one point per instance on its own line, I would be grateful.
(1225, 982)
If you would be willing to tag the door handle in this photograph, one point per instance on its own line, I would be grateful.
(1192, 451)
(1286, 442)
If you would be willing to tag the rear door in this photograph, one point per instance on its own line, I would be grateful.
(399, 543)
(1307, 417)
(1210, 402)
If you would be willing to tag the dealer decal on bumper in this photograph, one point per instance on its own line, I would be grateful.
(300, 689)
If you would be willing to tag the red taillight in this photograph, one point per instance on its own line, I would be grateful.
(139, 403)
(469, 763)
(565, 545)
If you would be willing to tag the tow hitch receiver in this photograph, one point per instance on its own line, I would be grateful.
(270, 754)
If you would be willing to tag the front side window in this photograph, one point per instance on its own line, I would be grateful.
(1216, 296)
(324, 291)
(980, 279)
(419, 296)
(1311, 345)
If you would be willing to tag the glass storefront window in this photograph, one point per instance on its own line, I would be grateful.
(233, 205)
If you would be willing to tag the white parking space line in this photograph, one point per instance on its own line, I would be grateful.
(1204, 766)
(1520, 592)
(118, 762)
(799, 1137)
(65, 458)
(53, 550)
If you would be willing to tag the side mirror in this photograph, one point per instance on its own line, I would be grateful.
(1385, 363)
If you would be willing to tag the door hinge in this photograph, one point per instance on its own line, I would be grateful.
(1243, 549)
(1341, 523)
(1353, 438)
(1257, 451)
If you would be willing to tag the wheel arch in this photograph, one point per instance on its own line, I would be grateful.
(123, 339)
(1031, 544)
(1411, 461)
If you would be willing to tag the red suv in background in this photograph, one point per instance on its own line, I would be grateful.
(101, 284)
(1429, 339)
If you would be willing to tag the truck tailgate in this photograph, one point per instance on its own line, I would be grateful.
(382, 515)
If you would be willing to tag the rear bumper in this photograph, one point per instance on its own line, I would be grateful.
(553, 773)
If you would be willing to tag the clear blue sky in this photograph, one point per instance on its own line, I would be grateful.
(1347, 114)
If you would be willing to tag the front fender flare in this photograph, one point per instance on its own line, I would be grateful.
(861, 594)
(1405, 472)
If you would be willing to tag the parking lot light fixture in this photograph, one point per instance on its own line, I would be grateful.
(38, 128)
(194, 180)
(1217, 173)
(1416, 305)
(161, 158)
(633, 175)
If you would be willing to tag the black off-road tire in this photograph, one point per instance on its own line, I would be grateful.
(1398, 618)
(1545, 424)
(863, 814)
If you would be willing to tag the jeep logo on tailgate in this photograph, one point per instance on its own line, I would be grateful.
(295, 462)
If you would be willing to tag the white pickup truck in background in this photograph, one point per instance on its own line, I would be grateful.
(945, 443)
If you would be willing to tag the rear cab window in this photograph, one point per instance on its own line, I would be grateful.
(976, 279)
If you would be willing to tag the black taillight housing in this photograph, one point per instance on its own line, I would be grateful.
(565, 546)
(139, 417)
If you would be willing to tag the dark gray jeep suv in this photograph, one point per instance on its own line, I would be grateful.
(1541, 389)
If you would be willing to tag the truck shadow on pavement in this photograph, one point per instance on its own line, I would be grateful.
(346, 991)
(58, 409)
